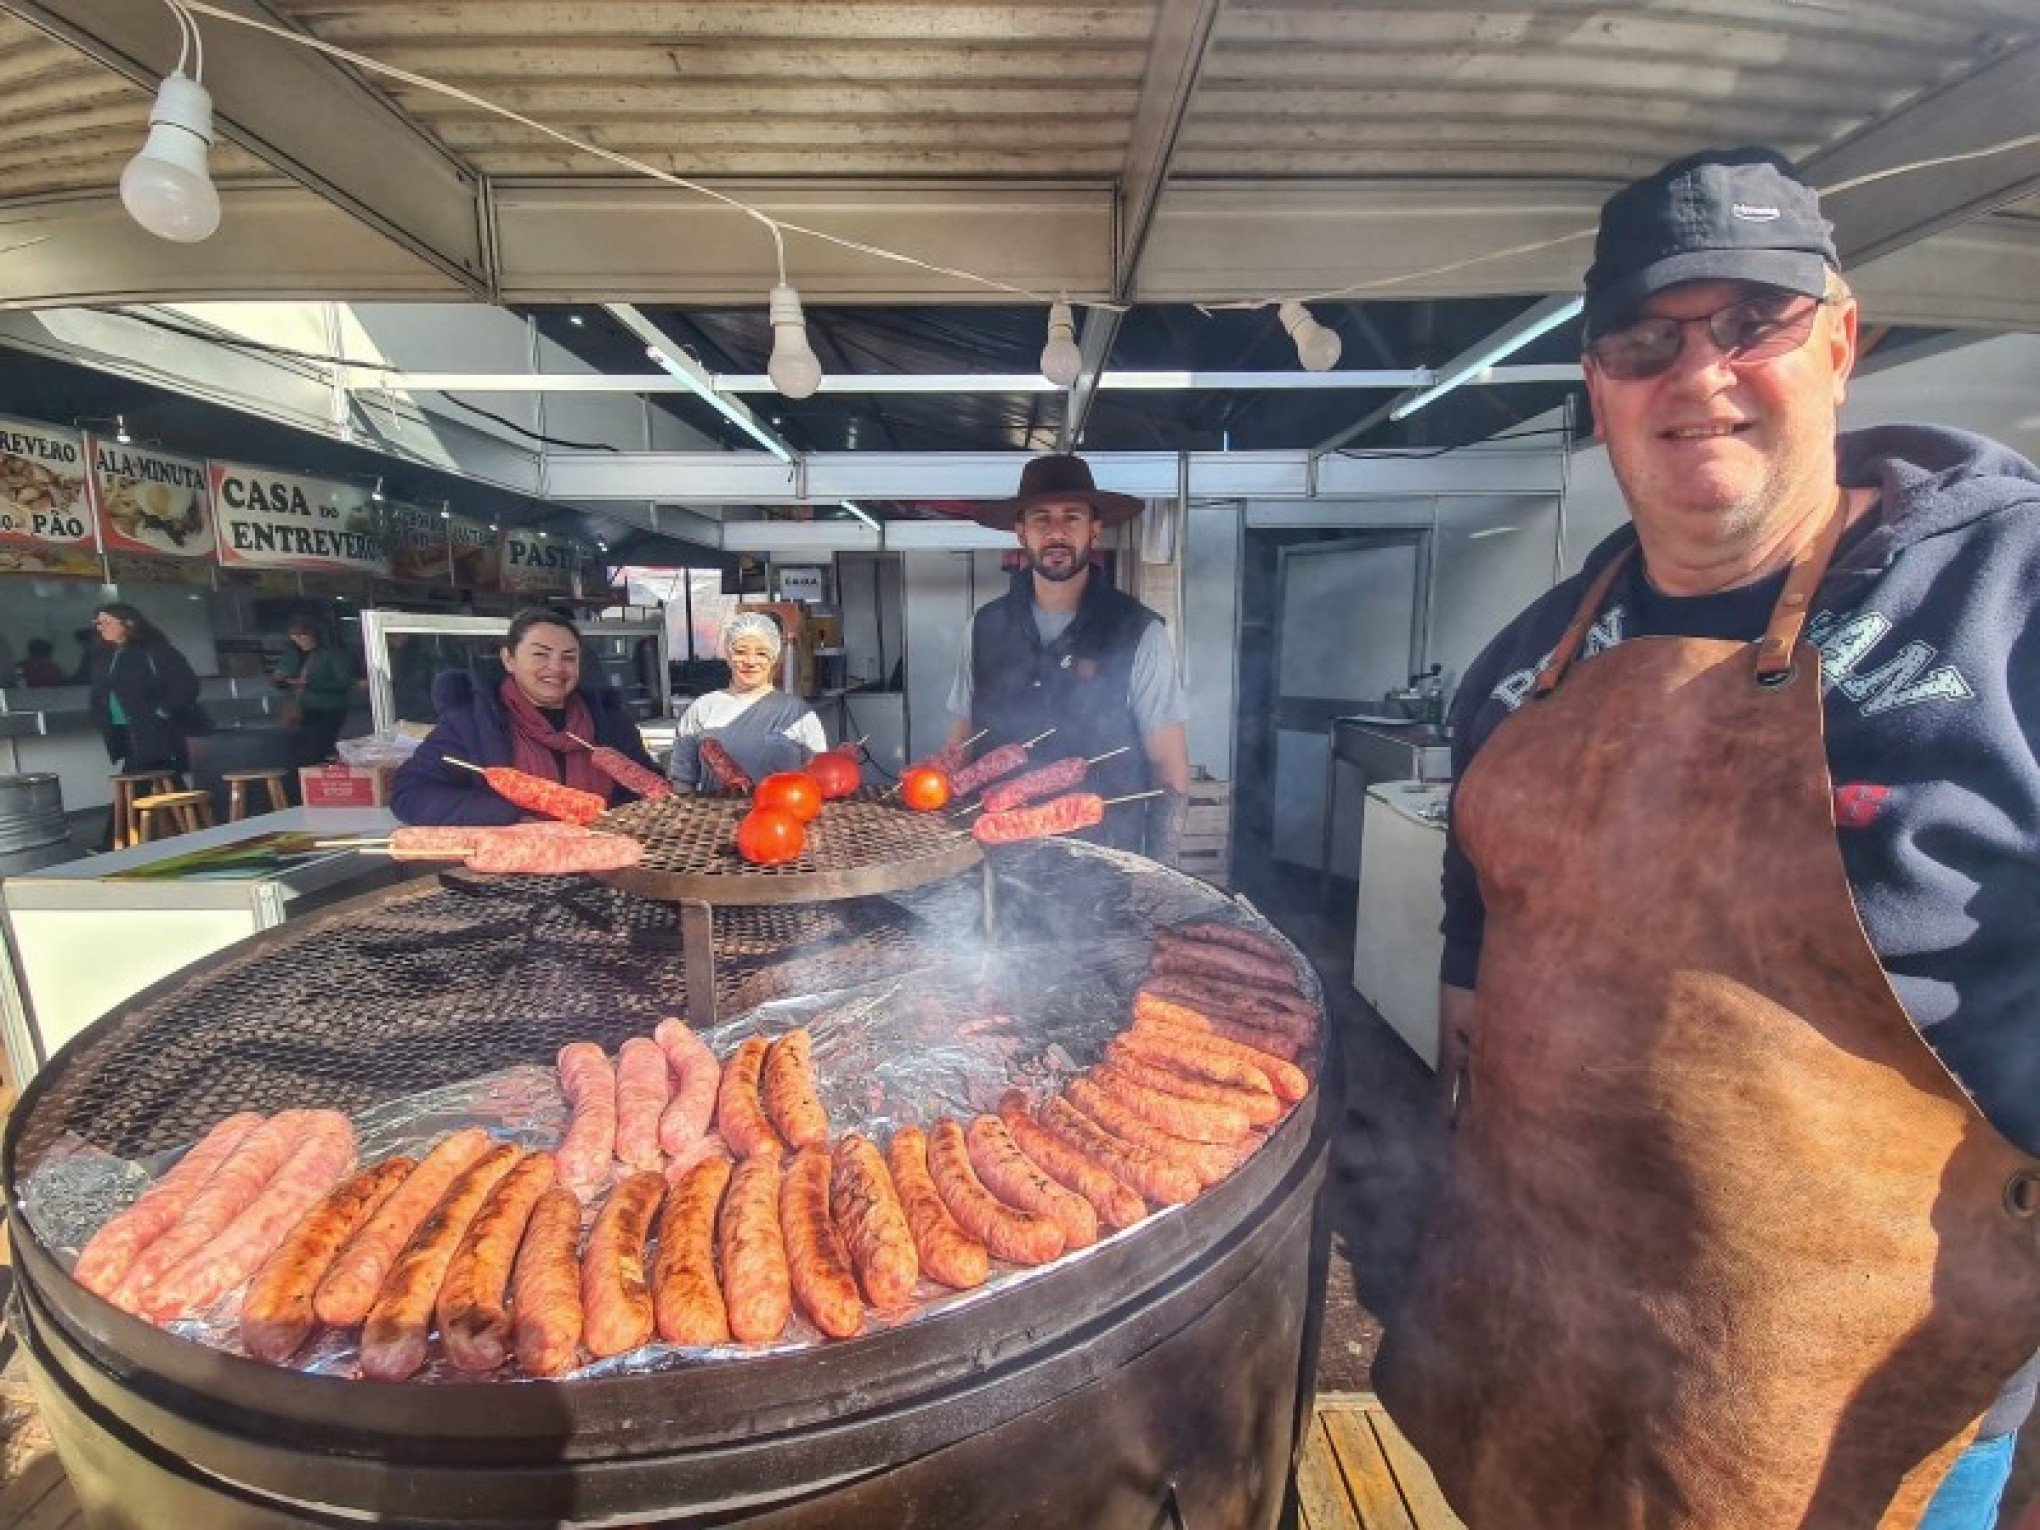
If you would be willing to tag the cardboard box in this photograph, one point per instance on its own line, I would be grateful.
(344, 786)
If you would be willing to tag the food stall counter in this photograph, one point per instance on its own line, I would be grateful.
(86, 934)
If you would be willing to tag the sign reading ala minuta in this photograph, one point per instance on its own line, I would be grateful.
(45, 515)
(267, 519)
(150, 501)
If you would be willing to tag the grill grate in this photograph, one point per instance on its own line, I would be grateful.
(858, 846)
(448, 977)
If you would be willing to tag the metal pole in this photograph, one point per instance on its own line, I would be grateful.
(697, 944)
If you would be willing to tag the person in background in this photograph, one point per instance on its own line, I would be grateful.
(40, 668)
(322, 682)
(541, 720)
(1062, 649)
(1741, 1022)
(144, 695)
(88, 649)
(764, 729)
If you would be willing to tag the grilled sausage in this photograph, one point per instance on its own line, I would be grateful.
(588, 1080)
(1221, 932)
(616, 1299)
(1013, 1177)
(106, 1258)
(350, 1287)
(393, 1341)
(1288, 1011)
(789, 1091)
(324, 1152)
(696, 1073)
(868, 1213)
(1194, 1120)
(757, 1288)
(1059, 815)
(545, 1286)
(1208, 1161)
(815, 1257)
(548, 799)
(1116, 1205)
(1033, 785)
(1204, 1051)
(947, 1253)
(1019, 1237)
(1278, 1035)
(687, 1302)
(1161, 1180)
(1226, 961)
(556, 855)
(987, 768)
(739, 1109)
(628, 774)
(1256, 1101)
(642, 1091)
(276, 1314)
(722, 770)
(1152, 1014)
(473, 1307)
(236, 1181)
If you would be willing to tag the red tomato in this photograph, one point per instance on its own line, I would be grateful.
(924, 790)
(767, 836)
(836, 773)
(791, 792)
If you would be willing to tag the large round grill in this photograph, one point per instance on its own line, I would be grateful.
(1165, 1366)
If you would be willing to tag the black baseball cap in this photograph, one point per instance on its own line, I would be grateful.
(1719, 215)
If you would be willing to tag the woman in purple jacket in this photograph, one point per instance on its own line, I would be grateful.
(532, 721)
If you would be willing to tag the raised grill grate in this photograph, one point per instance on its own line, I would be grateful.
(858, 846)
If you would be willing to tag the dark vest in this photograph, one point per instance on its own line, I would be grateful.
(1080, 685)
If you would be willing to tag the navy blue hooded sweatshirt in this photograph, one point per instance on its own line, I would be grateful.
(1930, 660)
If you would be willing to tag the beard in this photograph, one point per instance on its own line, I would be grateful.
(1058, 573)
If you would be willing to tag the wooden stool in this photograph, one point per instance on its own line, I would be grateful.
(238, 783)
(188, 810)
(127, 828)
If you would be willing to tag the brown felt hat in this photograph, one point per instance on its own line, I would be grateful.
(1058, 478)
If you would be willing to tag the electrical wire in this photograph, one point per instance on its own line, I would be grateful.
(1364, 453)
(536, 435)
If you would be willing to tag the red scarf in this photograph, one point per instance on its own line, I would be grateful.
(538, 749)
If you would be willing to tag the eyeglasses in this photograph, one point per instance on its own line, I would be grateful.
(1756, 329)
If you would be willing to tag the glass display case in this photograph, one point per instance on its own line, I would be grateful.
(407, 650)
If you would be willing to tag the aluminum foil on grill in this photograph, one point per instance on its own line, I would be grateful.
(928, 1003)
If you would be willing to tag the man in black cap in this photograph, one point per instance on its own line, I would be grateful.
(1741, 1219)
(1062, 649)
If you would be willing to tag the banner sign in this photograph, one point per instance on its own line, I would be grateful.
(268, 519)
(149, 501)
(45, 511)
(428, 546)
(535, 564)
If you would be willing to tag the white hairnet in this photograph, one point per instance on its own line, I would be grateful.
(752, 624)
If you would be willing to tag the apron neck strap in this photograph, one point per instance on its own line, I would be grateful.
(1590, 607)
(1788, 617)
(1781, 636)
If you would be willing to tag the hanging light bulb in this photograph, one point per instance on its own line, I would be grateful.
(166, 188)
(120, 430)
(376, 492)
(1061, 361)
(793, 368)
(1316, 347)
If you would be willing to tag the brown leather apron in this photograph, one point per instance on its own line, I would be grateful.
(1721, 1242)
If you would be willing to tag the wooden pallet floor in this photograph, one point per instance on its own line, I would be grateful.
(1359, 1473)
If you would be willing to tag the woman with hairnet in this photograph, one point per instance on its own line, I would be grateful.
(764, 729)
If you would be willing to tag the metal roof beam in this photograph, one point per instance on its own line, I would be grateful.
(1176, 52)
(1993, 105)
(721, 478)
(304, 114)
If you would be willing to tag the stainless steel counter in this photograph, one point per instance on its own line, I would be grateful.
(1378, 749)
(84, 937)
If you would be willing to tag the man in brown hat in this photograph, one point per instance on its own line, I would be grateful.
(1062, 649)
